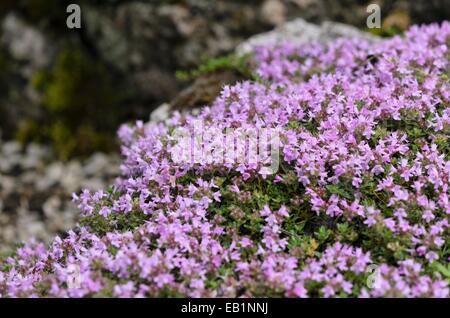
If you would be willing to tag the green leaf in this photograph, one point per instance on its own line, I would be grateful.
(443, 270)
(335, 189)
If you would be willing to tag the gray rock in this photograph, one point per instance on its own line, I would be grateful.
(10, 148)
(72, 177)
(25, 42)
(36, 201)
(7, 185)
(274, 11)
(161, 113)
(51, 207)
(53, 175)
(300, 32)
(111, 42)
(34, 157)
(100, 164)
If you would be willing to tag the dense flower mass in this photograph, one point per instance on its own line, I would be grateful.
(359, 206)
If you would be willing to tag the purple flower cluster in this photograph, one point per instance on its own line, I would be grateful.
(364, 132)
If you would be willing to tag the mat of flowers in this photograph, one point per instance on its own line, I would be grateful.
(357, 207)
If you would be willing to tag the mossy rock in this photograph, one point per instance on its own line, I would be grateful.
(81, 105)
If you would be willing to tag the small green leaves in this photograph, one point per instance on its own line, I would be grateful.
(323, 234)
(339, 190)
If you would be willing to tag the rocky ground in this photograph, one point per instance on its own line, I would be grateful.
(35, 190)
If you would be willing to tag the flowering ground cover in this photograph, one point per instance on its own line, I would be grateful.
(358, 207)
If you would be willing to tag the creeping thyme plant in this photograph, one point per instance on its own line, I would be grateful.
(359, 206)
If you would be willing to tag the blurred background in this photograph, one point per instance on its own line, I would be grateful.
(64, 92)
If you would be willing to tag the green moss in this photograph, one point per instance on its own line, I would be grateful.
(28, 130)
(385, 32)
(239, 64)
(81, 104)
